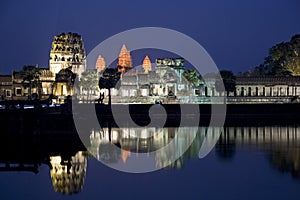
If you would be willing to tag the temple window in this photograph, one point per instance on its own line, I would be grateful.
(8, 93)
(249, 91)
(18, 91)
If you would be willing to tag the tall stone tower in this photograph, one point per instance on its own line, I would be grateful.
(67, 51)
(124, 61)
(100, 64)
(147, 64)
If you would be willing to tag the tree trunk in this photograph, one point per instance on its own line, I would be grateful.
(109, 97)
(30, 88)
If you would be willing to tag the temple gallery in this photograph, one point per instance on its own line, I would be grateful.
(165, 80)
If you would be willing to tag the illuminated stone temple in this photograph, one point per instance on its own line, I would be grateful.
(67, 51)
(124, 60)
(147, 66)
(163, 81)
(100, 64)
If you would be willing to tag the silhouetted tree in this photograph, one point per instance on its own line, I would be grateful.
(228, 81)
(108, 80)
(30, 78)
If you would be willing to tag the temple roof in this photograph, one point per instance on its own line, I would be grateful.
(293, 80)
(45, 72)
(123, 50)
(5, 78)
(65, 75)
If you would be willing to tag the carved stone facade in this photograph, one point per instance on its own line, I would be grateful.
(268, 86)
(6, 87)
(100, 64)
(162, 84)
(64, 83)
(124, 60)
(147, 66)
(67, 51)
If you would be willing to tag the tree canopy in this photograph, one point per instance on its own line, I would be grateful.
(89, 80)
(109, 79)
(30, 77)
(228, 81)
(192, 76)
(283, 60)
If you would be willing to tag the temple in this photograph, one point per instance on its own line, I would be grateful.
(163, 81)
(67, 51)
(100, 64)
(147, 66)
(67, 61)
(124, 60)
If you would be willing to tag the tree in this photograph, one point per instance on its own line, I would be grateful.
(283, 60)
(109, 79)
(89, 81)
(193, 77)
(30, 78)
(228, 79)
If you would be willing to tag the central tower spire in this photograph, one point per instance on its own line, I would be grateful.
(124, 61)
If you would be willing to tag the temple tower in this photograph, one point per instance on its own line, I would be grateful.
(124, 61)
(100, 64)
(147, 65)
(67, 51)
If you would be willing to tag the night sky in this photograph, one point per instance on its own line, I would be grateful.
(237, 34)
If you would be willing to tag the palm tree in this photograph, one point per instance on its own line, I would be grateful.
(108, 80)
(193, 77)
(31, 78)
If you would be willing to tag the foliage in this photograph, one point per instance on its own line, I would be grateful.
(30, 78)
(228, 81)
(283, 60)
(109, 79)
(192, 76)
(89, 81)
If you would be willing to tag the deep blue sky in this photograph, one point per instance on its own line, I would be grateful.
(237, 34)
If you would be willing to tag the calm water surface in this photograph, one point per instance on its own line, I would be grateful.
(246, 163)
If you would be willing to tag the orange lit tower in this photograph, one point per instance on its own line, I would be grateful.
(124, 62)
(100, 64)
(147, 64)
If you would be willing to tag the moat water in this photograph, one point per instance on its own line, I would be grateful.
(253, 162)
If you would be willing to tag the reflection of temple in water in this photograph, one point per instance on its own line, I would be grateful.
(67, 160)
(143, 140)
(281, 143)
(267, 137)
(62, 152)
(68, 176)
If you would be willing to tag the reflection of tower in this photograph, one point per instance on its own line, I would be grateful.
(100, 64)
(68, 177)
(124, 61)
(147, 65)
(172, 156)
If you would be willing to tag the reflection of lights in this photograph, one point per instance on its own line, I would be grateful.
(55, 159)
(125, 155)
(68, 176)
